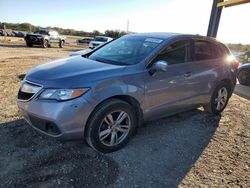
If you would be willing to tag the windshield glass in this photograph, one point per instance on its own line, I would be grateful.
(42, 32)
(126, 50)
(101, 39)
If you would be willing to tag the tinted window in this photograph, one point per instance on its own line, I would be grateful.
(178, 52)
(204, 50)
(126, 50)
(42, 32)
(219, 50)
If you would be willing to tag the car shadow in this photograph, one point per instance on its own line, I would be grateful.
(21, 76)
(165, 150)
(12, 45)
(160, 155)
(17, 46)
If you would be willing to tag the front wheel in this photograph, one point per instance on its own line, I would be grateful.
(45, 44)
(29, 44)
(61, 44)
(219, 99)
(111, 126)
(244, 77)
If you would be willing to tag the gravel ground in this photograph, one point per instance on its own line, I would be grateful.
(192, 149)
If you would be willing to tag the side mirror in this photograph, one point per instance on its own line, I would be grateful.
(160, 66)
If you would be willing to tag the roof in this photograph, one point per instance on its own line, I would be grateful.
(166, 35)
(161, 35)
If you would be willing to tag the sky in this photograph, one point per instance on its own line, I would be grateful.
(190, 16)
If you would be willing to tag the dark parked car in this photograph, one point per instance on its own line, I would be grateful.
(20, 33)
(44, 38)
(105, 94)
(2, 32)
(85, 40)
(244, 74)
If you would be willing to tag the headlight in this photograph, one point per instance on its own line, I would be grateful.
(62, 94)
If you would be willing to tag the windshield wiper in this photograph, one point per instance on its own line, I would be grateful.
(99, 60)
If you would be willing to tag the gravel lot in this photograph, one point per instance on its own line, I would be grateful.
(192, 149)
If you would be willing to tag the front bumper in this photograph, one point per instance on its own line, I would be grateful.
(34, 40)
(64, 120)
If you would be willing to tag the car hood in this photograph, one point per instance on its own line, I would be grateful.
(73, 72)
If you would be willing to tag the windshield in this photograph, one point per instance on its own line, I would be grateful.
(101, 39)
(42, 32)
(126, 50)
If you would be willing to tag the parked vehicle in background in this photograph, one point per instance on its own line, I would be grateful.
(246, 57)
(6, 32)
(81, 52)
(98, 40)
(85, 40)
(104, 95)
(244, 74)
(2, 32)
(20, 33)
(44, 38)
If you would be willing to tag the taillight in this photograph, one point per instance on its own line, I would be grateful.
(237, 63)
(233, 61)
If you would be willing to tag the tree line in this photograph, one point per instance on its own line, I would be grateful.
(31, 28)
(239, 47)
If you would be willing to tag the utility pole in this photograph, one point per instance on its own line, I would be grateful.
(5, 33)
(214, 19)
(216, 14)
(127, 26)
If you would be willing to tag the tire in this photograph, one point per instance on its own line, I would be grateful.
(61, 43)
(221, 93)
(111, 126)
(45, 43)
(29, 44)
(244, 77)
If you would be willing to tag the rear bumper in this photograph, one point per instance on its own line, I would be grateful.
(62, 120)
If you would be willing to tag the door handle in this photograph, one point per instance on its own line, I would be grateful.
(187, 74)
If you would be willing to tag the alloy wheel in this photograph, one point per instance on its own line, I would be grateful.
(114, 128)
(221, 99)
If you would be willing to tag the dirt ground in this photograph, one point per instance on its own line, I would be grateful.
(192, 149)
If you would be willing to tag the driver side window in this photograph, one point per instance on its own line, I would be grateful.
(176, 53)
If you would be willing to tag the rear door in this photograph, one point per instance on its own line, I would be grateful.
(205, 69)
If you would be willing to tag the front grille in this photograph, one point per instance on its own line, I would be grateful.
(24, 96)
(28, 90)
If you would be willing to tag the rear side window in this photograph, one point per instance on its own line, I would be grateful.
(178, 52)
(204, 50)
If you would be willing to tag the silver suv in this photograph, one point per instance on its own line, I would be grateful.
(104, 95)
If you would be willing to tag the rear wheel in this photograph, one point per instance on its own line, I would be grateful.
(45, 43)
(219, 99)
(111, 126)
(244, 77)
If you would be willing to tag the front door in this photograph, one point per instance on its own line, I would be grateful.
(169, 92)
